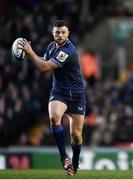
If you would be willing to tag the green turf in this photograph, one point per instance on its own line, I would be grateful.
(61, 174)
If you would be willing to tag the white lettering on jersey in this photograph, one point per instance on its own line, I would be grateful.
(62, 56)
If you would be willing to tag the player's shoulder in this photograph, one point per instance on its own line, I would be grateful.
(70, 44)
(69, 47)
(51, 44)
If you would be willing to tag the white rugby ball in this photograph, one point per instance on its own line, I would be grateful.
(18, 54)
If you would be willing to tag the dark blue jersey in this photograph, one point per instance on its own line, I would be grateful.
(68, 76)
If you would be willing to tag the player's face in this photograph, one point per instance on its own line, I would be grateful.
(60, 34)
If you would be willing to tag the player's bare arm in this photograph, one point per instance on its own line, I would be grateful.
(41, 64)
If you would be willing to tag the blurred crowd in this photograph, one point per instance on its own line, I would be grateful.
(24, 91)
(110, 114)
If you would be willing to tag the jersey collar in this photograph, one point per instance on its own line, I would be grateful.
(66, 42)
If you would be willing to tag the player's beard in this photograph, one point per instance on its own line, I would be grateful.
(63, 42)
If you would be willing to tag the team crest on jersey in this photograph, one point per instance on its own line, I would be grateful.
(62, 56)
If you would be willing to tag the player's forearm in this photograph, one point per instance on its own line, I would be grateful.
(38, 62)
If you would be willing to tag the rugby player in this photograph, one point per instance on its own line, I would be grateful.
(67, 93)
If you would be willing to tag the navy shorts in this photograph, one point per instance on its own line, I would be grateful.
(75, 101)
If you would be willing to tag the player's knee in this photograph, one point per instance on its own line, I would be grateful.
(55, 119)
(76, 138)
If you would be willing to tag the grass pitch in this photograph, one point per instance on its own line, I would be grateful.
(61, 174)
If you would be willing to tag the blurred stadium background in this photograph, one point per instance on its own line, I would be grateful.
(103, 33)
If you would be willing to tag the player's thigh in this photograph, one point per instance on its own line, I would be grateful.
(56, 109)
(76, 124)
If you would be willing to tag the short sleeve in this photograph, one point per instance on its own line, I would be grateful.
(60, 58)
(46, 55)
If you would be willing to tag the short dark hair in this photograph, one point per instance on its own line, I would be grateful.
(60, 23)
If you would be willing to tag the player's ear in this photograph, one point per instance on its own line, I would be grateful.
(52, 33)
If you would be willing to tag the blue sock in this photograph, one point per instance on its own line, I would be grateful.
(76, 152)
(58, 133)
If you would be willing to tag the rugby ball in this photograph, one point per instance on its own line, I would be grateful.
(18, 54)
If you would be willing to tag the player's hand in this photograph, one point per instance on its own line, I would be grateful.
(26, 47)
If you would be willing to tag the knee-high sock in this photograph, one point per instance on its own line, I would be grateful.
(58, 133)
(76, 153)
